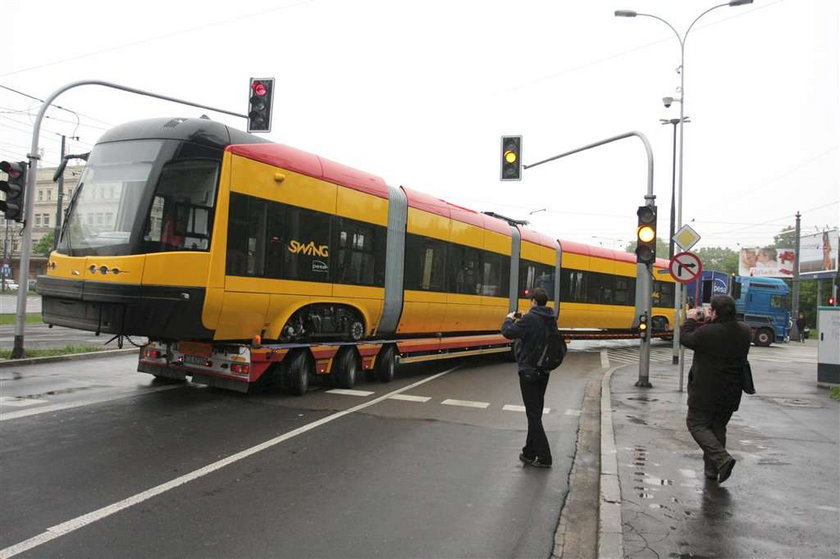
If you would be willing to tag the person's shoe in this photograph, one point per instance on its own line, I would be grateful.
(711, 476)
(526, 460)
(537, 463)
(726, 470)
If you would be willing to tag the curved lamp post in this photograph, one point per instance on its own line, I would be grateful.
(681, 100)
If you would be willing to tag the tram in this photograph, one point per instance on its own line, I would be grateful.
(216, 244)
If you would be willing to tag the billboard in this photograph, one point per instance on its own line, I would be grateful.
(818, 252)
(766, 262)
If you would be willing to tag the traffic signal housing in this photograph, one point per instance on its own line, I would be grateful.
(511, 158)
(646, 235)
(260, 96)
(15, 188)
(643, 326)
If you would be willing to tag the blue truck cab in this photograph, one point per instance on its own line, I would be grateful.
(763, 303)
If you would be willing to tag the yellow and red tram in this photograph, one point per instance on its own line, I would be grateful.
(206, 239)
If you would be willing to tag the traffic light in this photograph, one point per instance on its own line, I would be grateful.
(646, 235)
(643, 326)
(831, 301)
(14, 187)
(260, 94)
(511, 158)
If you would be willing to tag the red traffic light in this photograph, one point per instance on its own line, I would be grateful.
(259, 88)
(831, 301)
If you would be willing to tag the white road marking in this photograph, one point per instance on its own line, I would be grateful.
(573, 412)
(605, 359)
(511, 407)
(58, 530)
(410, 398)
(16, 402)
(347, 392)
(465, 403)
(70, 405)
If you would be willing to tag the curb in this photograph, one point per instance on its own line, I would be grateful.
(69, 357)
(610, 534)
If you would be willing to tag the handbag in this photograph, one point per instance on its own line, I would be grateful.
(746, 378)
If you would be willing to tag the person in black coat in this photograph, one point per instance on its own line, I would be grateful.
(721, 345)
(530, 332)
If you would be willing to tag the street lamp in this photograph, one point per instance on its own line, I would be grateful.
(671, 230)
(681, 39)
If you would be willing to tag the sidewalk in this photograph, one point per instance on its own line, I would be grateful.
(783, 499)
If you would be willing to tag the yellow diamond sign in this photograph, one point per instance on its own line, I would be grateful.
(686, 237)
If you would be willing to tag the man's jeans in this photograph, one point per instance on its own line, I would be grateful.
(709, 430)
(533, 396)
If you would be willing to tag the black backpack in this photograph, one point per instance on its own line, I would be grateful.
(551, 353)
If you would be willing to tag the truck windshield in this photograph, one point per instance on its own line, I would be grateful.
(135, 198)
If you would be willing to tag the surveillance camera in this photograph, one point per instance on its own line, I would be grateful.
(667, 101)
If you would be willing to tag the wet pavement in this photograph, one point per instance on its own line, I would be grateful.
(783, 499)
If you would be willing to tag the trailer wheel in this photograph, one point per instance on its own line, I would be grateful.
(295, 375)
(764, 337)
(386, 364)
(345, 367)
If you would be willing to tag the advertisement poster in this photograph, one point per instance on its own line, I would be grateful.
(766, 262)
(818, 252)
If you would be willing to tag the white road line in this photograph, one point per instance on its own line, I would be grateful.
(16, 402)
(347, 392)
(410, 398)
(70, 405)
(512, 407)
(605, 359)
(465, 403)
(81, 521)
(573, 412)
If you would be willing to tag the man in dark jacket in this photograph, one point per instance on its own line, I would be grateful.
(721, 345)
(530, 332)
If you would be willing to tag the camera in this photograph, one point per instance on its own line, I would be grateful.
(700, 316)
(667, 101)
(517, 314)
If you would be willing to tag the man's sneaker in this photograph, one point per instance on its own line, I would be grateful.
(525, 459)
(537, 463)
(726, 470)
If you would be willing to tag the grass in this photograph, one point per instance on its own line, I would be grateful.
(835, 393)
(50, 352)
(6, 319)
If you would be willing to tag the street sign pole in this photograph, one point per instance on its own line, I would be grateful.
(684, 267)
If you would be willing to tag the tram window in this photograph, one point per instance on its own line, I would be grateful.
(665, 293)
(622, 291)
(306, 254)
(465, 275)
(359, 253)
(246, 236)
(425, 263)
(496, 277)
(571, 286)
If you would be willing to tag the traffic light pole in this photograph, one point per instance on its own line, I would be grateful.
(29, 194)
(644, 284)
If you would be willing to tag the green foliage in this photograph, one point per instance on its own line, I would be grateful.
(6, 319)
(719, 259)
(45, 245)
(786, 238)
(835, 393)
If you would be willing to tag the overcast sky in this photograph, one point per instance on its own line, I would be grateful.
(420, 92)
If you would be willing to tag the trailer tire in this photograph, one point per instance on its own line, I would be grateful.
(295, 375)
(345, 367)
(386, 364)
(764, 337)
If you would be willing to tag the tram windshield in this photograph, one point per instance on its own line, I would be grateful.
(143, 196)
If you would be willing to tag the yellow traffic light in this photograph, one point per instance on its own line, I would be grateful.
(510, 156)
(646, 233)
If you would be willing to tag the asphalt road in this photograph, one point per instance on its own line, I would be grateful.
(101, 461)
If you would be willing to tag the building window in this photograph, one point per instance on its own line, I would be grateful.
(38, 217)
(46, 220)
(40, 195)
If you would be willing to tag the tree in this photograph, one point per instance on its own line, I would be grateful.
(45, 245)
(719, 259)
(786, 238)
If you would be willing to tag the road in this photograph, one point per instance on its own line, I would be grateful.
(102, 461)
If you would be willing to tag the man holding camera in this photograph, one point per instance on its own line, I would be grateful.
(715, 381)
(529, 331)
